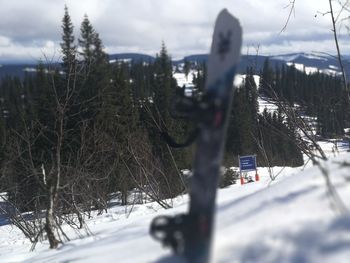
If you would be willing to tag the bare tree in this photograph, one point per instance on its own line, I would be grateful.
(291, 7)
(335, 33)
(146, 170)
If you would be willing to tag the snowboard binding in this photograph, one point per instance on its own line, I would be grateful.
(201, 111)
(181, 232)
(171, 231)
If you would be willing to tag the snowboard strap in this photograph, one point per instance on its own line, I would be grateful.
(171, 231)
(172, 143)
(200, 111)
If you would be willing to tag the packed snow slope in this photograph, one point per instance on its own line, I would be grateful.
(290, 219)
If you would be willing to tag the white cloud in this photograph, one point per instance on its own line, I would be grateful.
(4, 41)
(14, 52)
(33, 26)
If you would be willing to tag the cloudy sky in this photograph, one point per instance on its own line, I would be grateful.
(30, 29)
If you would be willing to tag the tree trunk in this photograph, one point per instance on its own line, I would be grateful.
(50, 219)
(53, 188)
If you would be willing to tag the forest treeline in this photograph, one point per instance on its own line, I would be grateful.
(318, 95)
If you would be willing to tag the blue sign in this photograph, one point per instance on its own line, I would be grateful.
(247, 163)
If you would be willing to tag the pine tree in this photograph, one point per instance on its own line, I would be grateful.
(199, 78)
(277, 87)
(117, 122)
(13, 102)
(266, 79)
(68, 47)
(100, 57)
(187, 68)
(291, 85)
(163, 85)
(95, 74)
(251, 94)
(86, 42)
(242, 130)
(278, 138)
(141, 75)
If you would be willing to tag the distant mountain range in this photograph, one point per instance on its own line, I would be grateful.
(310, 62)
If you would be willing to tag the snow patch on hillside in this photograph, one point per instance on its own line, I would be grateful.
(301, 67)
(291, 219)
(292, 57)
(28, 69)
(314, 56)
(264, 103)
(330, 72)
(333, 67)
(333, 70)
(286, 58)
(183, 80)
(239, 80)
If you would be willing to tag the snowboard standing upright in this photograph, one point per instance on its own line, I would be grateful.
(190, 234)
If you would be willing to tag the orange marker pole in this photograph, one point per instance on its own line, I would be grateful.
(256, 176)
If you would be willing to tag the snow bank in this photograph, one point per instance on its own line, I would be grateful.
(291, 219)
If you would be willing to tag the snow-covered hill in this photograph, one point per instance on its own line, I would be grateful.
(311, 62)
(291, 219)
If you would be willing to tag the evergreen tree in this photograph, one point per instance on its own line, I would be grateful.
(100, 57)
(13, 104)
(243, 119)
(291, 84)
(117, 121)
(163, 85)
(266, 79)
(251, 94)
(96, 72)
(199, 78)
(141, 81)
(187, 68)
(278, 139)
(68, 47)
(86, 42)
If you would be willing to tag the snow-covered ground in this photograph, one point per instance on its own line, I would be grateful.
(291, 219)
(183, 80)
(239, 78)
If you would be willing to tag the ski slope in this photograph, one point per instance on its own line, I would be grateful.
(291, 219)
